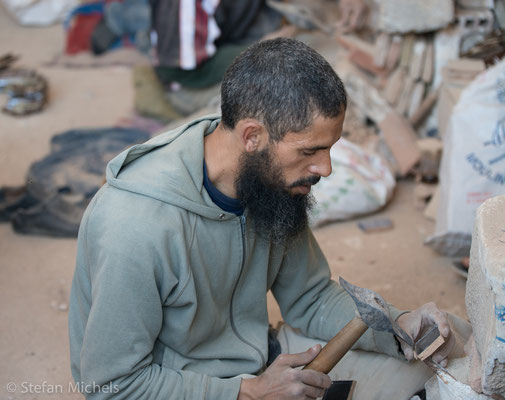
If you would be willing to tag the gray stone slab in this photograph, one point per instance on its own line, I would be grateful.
(414, 15)
(485, 292)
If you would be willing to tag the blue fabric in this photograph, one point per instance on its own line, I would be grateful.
(85, 9)
(221, 200)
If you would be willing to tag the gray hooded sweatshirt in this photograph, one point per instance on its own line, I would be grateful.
(169, 294)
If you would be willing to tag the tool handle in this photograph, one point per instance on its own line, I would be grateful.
(337, 347)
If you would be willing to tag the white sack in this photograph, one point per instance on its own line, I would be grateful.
(39, 12)
(473, 162)
(360, 183)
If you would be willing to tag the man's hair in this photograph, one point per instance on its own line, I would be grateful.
(284, 84)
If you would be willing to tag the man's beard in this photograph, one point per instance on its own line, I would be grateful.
(278, 215)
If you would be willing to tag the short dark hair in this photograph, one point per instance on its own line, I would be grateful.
(284, 84)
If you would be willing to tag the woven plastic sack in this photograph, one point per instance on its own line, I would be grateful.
(39, 12)
(360, 183)
(473, 161)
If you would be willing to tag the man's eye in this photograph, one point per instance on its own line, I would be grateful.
(309, 153)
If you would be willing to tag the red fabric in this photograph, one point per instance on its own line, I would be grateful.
(79, 34)
(201, 27)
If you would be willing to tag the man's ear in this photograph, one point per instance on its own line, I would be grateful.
(252, 133)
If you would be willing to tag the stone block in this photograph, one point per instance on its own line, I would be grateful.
(475, 3)
(431, 155)
(403, 16)
(485, 293)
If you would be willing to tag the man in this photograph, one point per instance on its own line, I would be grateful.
(177, 251)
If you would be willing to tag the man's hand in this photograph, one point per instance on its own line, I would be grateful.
(353, 15)
(418, 322)
(282, 381)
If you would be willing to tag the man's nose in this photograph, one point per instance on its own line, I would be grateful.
(322, 167)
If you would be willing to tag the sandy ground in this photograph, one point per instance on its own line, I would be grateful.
(36, 272)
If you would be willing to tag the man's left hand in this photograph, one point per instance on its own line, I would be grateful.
(418, 322)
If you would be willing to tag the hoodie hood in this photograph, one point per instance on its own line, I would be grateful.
(169, 168)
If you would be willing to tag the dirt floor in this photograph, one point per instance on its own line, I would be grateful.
(36, 272)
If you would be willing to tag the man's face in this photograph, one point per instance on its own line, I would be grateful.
(304, 157)
(274, 183)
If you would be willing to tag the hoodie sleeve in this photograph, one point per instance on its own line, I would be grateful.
(116, 314)
(317, 305)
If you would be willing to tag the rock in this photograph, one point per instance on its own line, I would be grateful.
(475, 3)
(474, 375)
(423, 192)
(308, 14)
(362, 53)
(403, 16)
(397, 131)
(450, 383)
(430, 211)
(431, 154)
(485, 293)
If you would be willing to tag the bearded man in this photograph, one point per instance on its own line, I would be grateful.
(177, 252)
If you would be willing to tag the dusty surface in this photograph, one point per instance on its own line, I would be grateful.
(36, 272)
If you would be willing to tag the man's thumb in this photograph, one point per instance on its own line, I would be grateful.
(408, 352)
(305, 357)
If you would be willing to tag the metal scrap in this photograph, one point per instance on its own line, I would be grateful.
(26, 91)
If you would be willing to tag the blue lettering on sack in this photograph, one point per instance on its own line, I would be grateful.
(481, 168)
(500, 89)
(500, 313)
(497, 140)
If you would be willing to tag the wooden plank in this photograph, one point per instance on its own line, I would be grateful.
(395, 85)
(404, 101)
(408, 44)
(429, 63)
(401, 139)
(352, 42)
(361, 53)
(417, 59)
(395, 50)
(365, 61)
(422, 111)
(416, 98)
(382, 44)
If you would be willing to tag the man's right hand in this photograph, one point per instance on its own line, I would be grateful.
(281, 380)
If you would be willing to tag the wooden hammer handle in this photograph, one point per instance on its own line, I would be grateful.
(337, 347)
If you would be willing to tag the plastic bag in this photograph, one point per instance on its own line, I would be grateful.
(360, 183)
(39, 12)
(473, 161)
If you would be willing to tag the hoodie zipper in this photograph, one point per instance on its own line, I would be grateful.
(232, 321)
